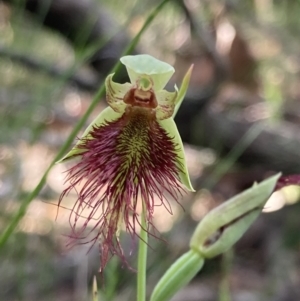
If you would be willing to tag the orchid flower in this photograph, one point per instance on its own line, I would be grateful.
(130, 153)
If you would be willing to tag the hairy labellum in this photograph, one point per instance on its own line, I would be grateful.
(122, 161)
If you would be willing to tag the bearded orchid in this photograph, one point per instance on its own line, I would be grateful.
(130, 153)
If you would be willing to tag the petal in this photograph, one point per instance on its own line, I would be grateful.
(182, 91)
(144, 64)
(170, 127)
(115, 94)
(166, 104)
(107, 115)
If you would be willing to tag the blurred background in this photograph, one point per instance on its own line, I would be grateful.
(239, 122)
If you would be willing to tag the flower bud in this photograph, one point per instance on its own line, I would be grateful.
(221, 228)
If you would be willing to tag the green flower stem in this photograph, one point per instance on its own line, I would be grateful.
(180, 273)
(23, 207)
(224, 287)
(142, 258)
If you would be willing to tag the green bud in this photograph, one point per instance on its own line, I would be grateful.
(221, 228)
(178, 275)
(95, 289)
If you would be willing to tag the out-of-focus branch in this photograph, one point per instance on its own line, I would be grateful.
(203, 34)
(86, 24)
(90, 83)
(276, 147)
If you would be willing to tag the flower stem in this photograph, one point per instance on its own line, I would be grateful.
(142, 258)
(224, 288)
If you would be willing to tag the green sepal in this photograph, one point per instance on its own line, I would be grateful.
(222, 227)
(140, 65)
(106, 115)
(181, 272)
(171, 129)
(182, 91)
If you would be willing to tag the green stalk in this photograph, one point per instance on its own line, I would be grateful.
(225, 164)
(142, 258)
(23, 207)
(224, 287)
